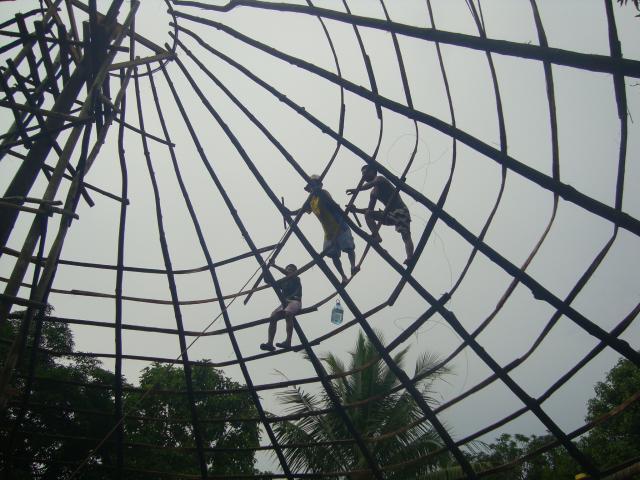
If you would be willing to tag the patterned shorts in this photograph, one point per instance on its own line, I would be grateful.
(400, 218)
(343, 242)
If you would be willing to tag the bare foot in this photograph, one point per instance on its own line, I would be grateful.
(283, 344)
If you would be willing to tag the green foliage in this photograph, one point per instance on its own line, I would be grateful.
(391, 418)
(506, 448)
(636, 3)
(617, 439)
(552, 464)
(166, 421)
(65, 420)
(56, 408)
(608, 444)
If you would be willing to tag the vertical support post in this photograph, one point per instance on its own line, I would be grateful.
(31, 58)
(25, 181)
(46, 58)
(28, 171)
(118, 407)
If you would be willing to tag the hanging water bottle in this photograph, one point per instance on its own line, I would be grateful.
(336, 313)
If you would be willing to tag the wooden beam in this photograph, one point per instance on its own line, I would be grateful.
(143, 61)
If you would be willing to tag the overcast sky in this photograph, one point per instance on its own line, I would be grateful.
(589, 136)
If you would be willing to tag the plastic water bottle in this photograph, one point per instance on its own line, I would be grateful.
(336, 313)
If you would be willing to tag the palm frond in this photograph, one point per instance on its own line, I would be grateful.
(391, 420)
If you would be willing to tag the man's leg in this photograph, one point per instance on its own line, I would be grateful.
(271, 333)
(293, 307)
(371, 223)
(272, 327)
(289, 319)
(408, 245)
(331, 248)
(338, 265)
(352, 260)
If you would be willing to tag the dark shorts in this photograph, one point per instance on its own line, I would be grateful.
(343, 242)
(400, 218)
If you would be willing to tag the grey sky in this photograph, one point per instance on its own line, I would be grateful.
(589, 136)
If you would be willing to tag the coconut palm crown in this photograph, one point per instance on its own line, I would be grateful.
(387, 418)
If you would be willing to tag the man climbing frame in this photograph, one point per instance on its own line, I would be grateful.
(291, 289)
(396, 212)
(337, 234)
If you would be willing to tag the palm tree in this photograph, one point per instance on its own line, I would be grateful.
(387, 418)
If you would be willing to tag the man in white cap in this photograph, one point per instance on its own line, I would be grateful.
(337, 234)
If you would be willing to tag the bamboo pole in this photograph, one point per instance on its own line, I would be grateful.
(567, 192)
(70, 204)
(171, 282)
(538, 290)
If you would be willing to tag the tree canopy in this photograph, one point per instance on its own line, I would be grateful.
(610, 443)
(636, 3)
(389, 421)
(165, 420)
(618, 438)
(71, 408)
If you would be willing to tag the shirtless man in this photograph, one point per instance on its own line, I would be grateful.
(397, 213)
